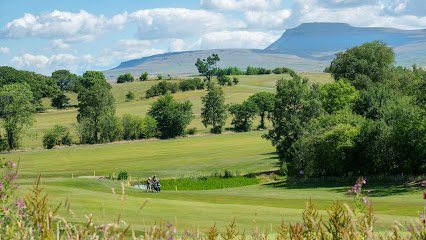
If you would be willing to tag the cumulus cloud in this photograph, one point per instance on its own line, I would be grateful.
(367, 15)
(239, 5)
(58, 45)
(236, 39)
(407, 7)
(180, 22)
(124, 50)
(4, 50)
(176, 45)
(68, 26)
(268, 19)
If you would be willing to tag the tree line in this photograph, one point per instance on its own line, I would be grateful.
(370, 121)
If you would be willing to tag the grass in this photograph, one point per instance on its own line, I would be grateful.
(259, 204)
(209, 183)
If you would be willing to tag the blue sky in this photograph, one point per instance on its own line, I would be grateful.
(47, 35)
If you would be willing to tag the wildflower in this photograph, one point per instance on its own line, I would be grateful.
(409, 229)
(365, 200)
(364, 182)
(368, 191)
(301, 172)
(174, 230)
(1, 185)
(349, 195)
(13, 164)
(422, 215)
(349, 191)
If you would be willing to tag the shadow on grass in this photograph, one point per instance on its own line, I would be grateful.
(378, 186)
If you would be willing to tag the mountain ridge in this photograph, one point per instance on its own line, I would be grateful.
(309, 47)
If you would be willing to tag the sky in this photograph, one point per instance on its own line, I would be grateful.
(80, 35)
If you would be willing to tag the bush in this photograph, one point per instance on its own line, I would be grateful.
(159, 76)
(58, 135)
(130, 95)
(125, 78)
(122, 175)
(161, 89)
(191, 131)
(235, 80)
(135, 127)
(191, 84)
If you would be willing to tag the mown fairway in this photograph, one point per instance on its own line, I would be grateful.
(253, 206)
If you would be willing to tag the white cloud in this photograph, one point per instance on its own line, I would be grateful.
(180, 23)
(176, 45)
(58, 45)
(124, 50)
(240, 5)
(4, 50)
(268, 19)
(68, 26)
(236, 39)
(366, 15)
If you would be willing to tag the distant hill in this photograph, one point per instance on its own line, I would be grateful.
(322, 40)
(183, 63)
(307, 48)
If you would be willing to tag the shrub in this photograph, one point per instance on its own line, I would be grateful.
(135, 127)
(191, 84)
(125, 78)
(159, 76)
(191, 131)
(122, 175)
(58, 135)
(235, 80)
(130, 95)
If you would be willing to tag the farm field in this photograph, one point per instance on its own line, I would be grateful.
(248, 86)
(261, 205)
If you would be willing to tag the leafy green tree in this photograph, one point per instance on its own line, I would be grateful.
(235, 80)
(159, 76)
(296, 103)
(144, 76)
(335, 96)
(205, 66)
(371, 101)
(41, 86)
(60, 100)
(59, 135)
(135, 127)
(96, 106)
(214, 109)
(265, 105)
(244, 114)
(16, 111)
(89, 79)
(64, 80)
(372, 59)
(172, 117)
(125, 78)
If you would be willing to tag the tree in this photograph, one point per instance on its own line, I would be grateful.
(144, 76)
(205, 67)
(335, 96)
(41, 86)
(159, 76)
(89, 79)
(372, 59)
(243, 115)
(265, 105)
(96, 106)
(16, 111)
(172, 117)
(56, 136)
(214, 109)
(65, 81)
(125, 78)
(296, 103)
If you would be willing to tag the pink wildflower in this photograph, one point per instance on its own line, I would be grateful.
(368, 191)
(364, 182)
(174, 230)
(13, 164)
(365, 200)
(422, 215)
(349, 191)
